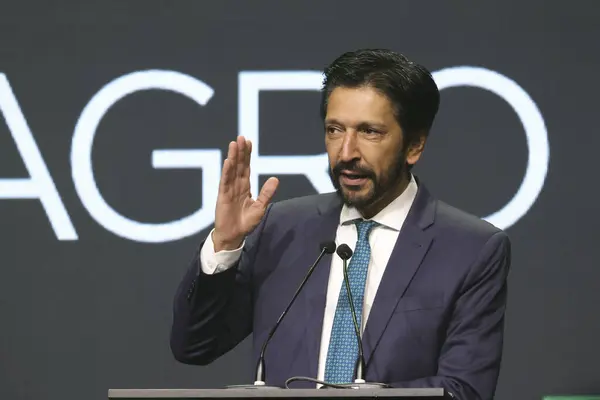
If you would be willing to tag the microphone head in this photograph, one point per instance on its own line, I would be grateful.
(329, 247)
(344, 251)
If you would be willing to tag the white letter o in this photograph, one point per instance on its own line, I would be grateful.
(535, 131)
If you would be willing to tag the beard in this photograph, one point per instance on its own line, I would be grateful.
(379, 185)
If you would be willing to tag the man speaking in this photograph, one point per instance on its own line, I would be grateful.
(427, 281)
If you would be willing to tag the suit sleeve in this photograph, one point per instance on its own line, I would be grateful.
(470, 357)
(212, 313)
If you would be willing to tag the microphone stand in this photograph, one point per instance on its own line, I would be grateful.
(259, 383)
(345, 253)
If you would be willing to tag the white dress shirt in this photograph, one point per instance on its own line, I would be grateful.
(382, 240)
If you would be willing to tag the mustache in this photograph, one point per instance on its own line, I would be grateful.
(354, 167)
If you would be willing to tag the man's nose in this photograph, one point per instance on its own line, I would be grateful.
(349, 149)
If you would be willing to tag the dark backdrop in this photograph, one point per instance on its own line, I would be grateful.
(85, 295)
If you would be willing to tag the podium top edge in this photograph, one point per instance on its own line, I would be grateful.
(273, 393)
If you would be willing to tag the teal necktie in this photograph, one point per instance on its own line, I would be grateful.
(343, 344)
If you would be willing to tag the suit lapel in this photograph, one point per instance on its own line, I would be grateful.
(412, 245)
(322, 227)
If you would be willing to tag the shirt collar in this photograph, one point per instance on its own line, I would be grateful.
(393, 215)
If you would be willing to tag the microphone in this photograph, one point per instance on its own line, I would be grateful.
(326, 248)
(345, 252)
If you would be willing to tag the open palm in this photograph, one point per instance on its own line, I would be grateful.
(237, 213)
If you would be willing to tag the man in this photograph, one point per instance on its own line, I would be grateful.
(428, 281)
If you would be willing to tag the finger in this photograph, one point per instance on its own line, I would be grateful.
(226, 176)
(241, 157)
(232, 152)
(248, 158)
(267, 192)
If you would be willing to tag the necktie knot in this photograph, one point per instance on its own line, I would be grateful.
(364, 228)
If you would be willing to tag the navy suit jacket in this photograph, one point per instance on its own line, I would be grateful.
(437, 319)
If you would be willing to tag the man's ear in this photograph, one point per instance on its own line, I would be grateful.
(415, 149)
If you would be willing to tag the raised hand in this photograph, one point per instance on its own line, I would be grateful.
(237, 214)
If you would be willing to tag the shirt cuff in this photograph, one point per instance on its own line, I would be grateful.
(213, 263)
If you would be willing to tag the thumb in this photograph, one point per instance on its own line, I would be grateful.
(267, 192)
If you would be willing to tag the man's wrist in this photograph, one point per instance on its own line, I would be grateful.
(228, 245)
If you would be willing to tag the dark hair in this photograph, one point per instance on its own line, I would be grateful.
(409, 86)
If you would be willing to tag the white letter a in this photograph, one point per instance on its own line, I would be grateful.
(40, 184)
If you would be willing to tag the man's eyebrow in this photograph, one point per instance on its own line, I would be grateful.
(366, 124)
(361, 124)
(333, 121)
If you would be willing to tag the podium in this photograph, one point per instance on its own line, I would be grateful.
(287, 394)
